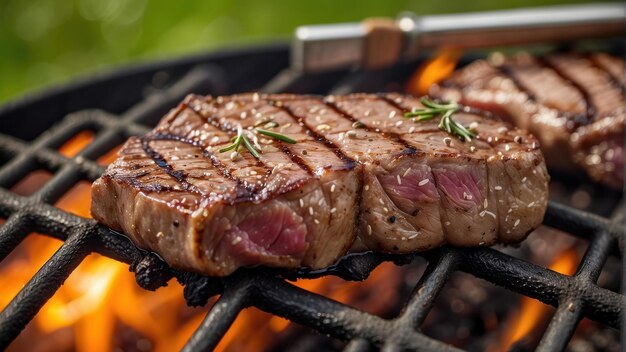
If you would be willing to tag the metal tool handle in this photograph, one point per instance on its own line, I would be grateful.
(382, 42)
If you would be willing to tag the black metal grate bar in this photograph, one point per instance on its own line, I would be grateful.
(330, 317)
(23, 308)
(574, 296)
(220, 318)
(12, 233)
(428, 287)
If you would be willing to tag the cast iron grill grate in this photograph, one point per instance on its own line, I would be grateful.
(575, 297)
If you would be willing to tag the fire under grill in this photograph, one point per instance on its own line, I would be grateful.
(130, 102)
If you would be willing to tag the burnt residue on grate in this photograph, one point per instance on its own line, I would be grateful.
(575, 297)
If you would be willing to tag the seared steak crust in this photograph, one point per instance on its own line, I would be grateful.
(573, 103)
(360, 176)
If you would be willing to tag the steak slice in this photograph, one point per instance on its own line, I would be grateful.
(573, 103)
(172, 192)
(360, 175)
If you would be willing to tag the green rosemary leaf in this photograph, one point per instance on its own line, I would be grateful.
(250, 147)
(446, 111)
(429, 103)
(235, 145)
(280, 137)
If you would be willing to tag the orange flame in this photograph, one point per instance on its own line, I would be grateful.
(101, 294)
(433, 71)
(77, 143)
(531, 312)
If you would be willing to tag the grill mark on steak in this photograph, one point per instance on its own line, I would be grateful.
(292, 156)
(160, 162)
(410, 148)
(350, 163)
(244, 191)
(577, 119)
(392, 102)
(590, 109)
(208, 155)
(394, 137)
(507, 71)
(595, 61)
(295, 158)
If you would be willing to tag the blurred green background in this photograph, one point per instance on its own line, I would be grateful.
(45, 42)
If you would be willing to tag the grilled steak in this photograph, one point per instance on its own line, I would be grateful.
(360, 175)
(573, 103)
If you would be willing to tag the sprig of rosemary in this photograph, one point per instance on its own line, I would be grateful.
(280, 137)
(241, 138)
(447, 123)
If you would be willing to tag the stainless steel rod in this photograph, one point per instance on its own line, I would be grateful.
(382, 42)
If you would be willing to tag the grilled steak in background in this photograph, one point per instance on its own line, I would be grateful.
(573, 103)
(360, 175)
